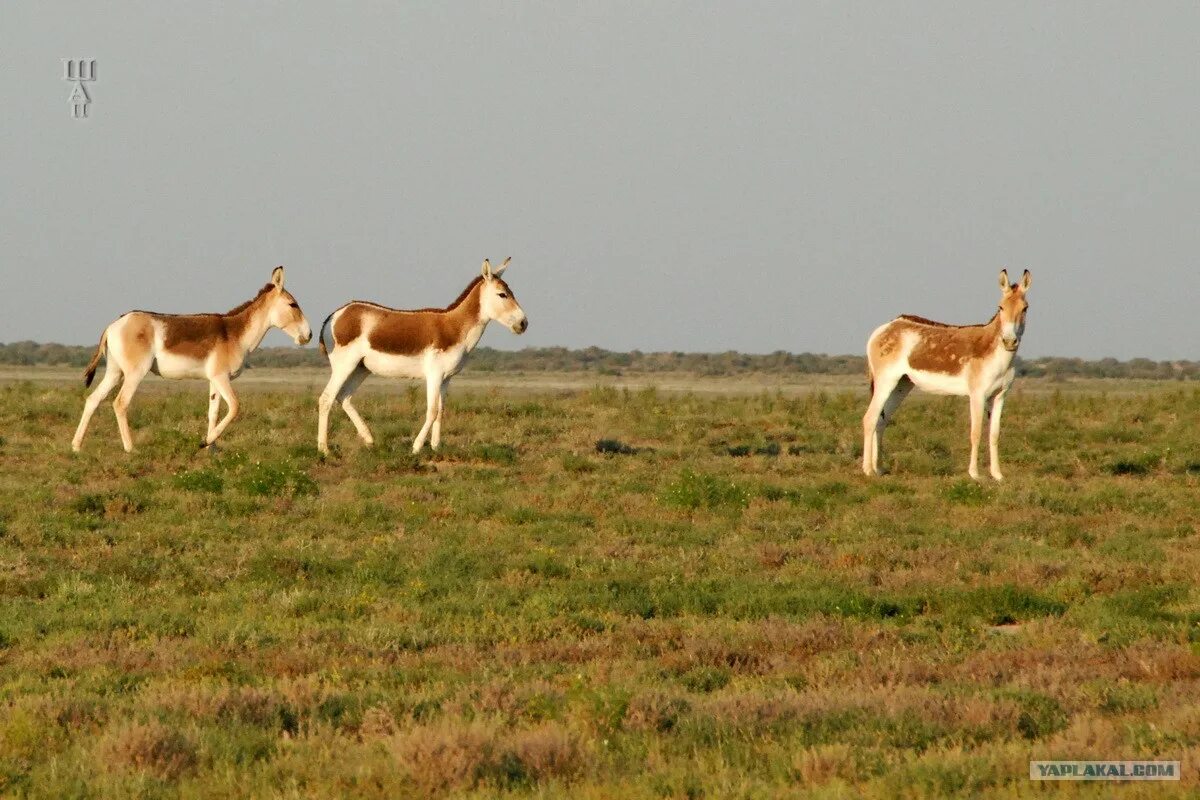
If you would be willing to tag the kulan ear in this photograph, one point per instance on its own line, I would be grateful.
(277, 277)
(1026, 281)
(486, 271)
(1004, 285)
(500, 269)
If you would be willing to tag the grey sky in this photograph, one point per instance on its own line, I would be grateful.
(666, 176)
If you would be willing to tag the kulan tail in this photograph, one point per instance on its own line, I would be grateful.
(90, 372)
(321, 337)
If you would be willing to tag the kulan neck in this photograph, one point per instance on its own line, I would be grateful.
(254, 324)
(469, 316)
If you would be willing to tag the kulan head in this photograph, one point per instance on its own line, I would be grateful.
(284, 312)
(1013, 307)
(496, 300)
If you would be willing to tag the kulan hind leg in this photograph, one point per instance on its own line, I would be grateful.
(133, 379)
(435, 433)
(885, 416)
(341, 368)
(884, 384)
(112, 376)
(225, 389)
(344, 394)
(214, 409)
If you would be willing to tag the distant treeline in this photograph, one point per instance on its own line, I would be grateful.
(607, 362)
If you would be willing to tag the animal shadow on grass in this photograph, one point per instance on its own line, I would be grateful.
(743, 450)
(619, 448)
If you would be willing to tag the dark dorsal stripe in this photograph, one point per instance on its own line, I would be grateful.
(935, 324)
(458, 301)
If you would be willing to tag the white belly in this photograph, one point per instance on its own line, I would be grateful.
(939, 382)
(392, 366)
(176, 366)
(442, 364)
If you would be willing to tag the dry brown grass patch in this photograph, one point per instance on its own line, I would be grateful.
(74, 715)
(773, 556)
(148, 747)
(749, 657)
(454, 755)
(243, 703)
(815, 766)
(655, 711)
(377, 723)
(1074, 661)
(114, 651)
(502, 698)
(447, 756)
(1086, 737)
(549, 751)
(555, 651)
(754, 712)
(1173, 664)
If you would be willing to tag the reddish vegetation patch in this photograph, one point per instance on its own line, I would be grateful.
(148, 747)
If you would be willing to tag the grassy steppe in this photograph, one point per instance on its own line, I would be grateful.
(720, 605)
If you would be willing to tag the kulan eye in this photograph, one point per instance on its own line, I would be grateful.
(503, 295)
(294, 305)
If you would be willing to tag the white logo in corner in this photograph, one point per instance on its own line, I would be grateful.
(79, 71)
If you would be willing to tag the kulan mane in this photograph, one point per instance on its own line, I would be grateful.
(239, 309)
(458, 301)
(231, 312)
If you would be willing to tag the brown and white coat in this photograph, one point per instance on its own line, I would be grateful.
(429, 343)
(210, 346)
(971, 360)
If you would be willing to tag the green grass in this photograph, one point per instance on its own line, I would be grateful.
(594, 593)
